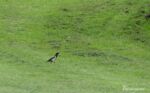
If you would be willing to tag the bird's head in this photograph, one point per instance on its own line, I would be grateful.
(57, 54)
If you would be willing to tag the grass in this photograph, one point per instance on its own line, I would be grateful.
(104, 46)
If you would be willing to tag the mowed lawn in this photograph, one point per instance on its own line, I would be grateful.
(104, 46)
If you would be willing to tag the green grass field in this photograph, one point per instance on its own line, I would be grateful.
(104, 46)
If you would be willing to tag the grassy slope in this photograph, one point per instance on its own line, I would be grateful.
(104, 46)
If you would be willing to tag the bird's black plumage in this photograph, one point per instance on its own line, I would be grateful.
(53, 59)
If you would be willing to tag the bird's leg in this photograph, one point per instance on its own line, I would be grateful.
(50, 62)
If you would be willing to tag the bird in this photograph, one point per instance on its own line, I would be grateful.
(53, 58)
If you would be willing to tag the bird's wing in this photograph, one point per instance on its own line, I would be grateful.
(51, 58)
